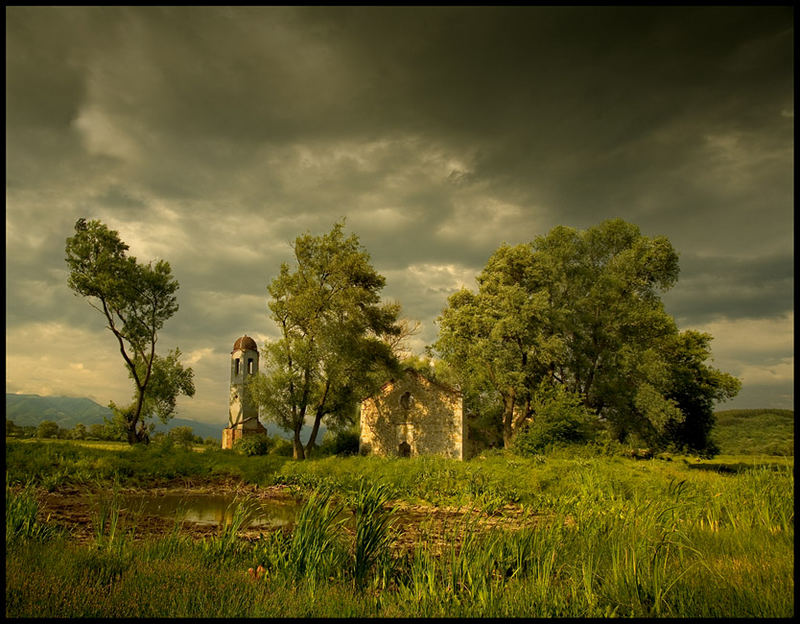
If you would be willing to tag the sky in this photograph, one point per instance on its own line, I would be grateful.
(212, 137)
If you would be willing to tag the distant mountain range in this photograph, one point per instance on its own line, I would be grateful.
(30, 409)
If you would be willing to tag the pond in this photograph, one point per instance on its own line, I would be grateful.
(210, 509)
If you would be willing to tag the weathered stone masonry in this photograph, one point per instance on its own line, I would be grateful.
(242, 411)
(414, 416)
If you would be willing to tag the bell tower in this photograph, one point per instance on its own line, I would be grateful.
(242, 410)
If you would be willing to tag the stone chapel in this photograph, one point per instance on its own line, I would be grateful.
(414, 416)
(242, 410)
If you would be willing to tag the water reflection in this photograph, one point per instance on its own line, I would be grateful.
(210, 509)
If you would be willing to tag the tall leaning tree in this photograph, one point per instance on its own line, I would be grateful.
(136, 300)
(335, 337)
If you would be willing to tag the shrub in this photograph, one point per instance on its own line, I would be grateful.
(253, 445)
(182, 436)
(559, 417)
(281, 446)
(340, 443)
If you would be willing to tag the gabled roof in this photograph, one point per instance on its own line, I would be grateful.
(413, 371)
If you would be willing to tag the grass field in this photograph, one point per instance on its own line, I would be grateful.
(576, 533)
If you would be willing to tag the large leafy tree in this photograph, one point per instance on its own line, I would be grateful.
(695, 387)
(135, 299)
(335, 337)
(587, 305)
(497, 339)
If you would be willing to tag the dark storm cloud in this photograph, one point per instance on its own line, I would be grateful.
(733, 288)
(213, 136)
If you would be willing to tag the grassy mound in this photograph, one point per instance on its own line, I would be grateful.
(755, 432)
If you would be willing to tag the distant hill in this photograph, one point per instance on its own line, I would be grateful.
(755, 432)
(28, 410)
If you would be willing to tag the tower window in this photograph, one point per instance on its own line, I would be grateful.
(249, 366)
(406, 400)
(236, 367)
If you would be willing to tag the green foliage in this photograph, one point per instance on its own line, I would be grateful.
(182, 435)
(666, 542)
(253, 445)
(332, 350)
(79, 432)
(314, 551)
(373, 537)
(755, 432)
(558, 417)
(168, 380)
(47, 429)
(22, 509)
(280, 446)
(343, 442)
(493, 340)
(136, 300)
(588, 536)
(582, 309)
(226, 545)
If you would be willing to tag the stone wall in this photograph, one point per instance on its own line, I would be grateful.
(414, 416)
(231, 434)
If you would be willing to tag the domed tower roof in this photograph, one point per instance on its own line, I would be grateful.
(245, 343)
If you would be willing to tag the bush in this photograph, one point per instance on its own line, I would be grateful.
(559, 417)
(281, 446)
(340, 443)
(182, 436)
(253, 445)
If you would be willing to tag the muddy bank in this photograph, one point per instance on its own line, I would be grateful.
(75, 509)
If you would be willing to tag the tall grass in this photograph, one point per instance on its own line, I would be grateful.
(373, 538)
(599, 536)
(22, 522)
(226, 544)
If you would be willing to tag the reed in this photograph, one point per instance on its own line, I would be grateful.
(373, 539)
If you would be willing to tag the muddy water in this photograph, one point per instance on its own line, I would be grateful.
(210, 509)
(201, 508)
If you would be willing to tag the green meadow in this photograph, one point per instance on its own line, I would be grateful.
(575, 532)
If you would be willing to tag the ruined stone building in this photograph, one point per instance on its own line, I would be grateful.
(414, 416)
(242, 410)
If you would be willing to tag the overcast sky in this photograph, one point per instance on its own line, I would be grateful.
(212, 137)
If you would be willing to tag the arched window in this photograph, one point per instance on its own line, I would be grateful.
(406, 401)
(236, 366)
(249, 366)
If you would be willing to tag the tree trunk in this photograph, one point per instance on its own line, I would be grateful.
(297, 446)
(508, 416)
(313, 439)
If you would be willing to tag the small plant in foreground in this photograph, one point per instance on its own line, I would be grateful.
(21, 510)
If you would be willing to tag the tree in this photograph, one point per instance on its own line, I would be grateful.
(582, 310)
(182, 435)
(168, 380)
(78, 432)
(13, 430)
(47, 429)
(97, 431)
(136, 300)
(695, 387)
(496, 339)
(333, 350)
